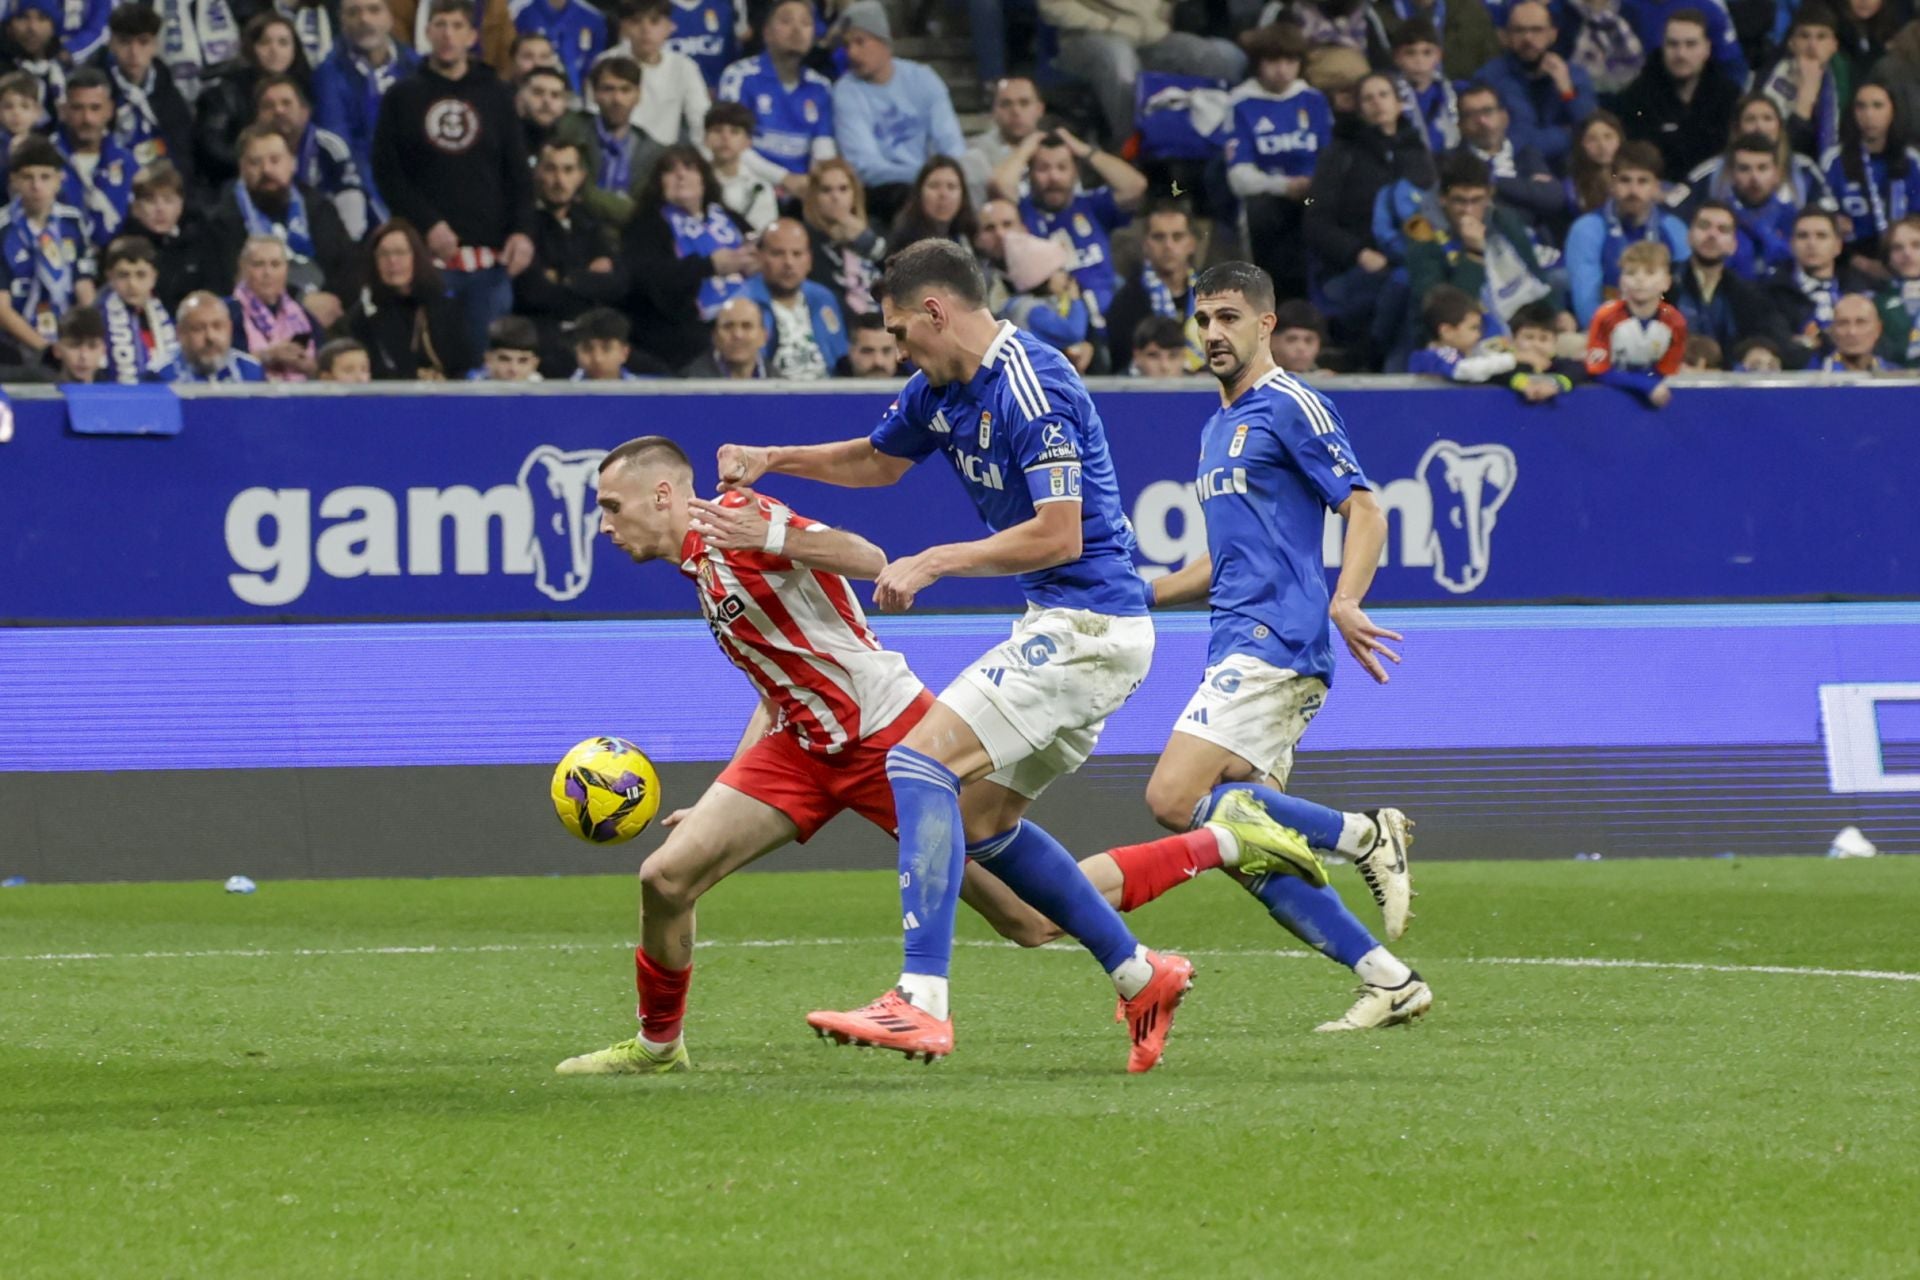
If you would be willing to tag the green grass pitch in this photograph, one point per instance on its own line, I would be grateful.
(358, 1082)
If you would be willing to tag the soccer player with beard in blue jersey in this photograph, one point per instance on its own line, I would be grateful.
(1026, 442)
(1273, 460)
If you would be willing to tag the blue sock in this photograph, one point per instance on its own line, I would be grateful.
(1315, 916)
(1319, 824)
(1034, 865)
(926, 799)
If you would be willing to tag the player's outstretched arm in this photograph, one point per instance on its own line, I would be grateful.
(852, 464)
(1184, 586)
(1052, 537)
(744, 521)
(1359, 558)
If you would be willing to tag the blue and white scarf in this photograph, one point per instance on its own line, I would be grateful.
(1886, 199)
(128, 359)
(294, 232)
(1160, 298)
(311, 26)
(50, 294)
(1439, 123)
(1822, 293)
(195, 35)
(701, 236)
(135, 124)
(1783, 87)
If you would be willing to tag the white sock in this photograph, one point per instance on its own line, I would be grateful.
(659, 1048)
(1380, 968)
(1131, 976)
(925, 991)
(1358, 834)
(1229, 845)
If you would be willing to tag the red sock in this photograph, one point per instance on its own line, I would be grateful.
(1149, 870)
(663, 997)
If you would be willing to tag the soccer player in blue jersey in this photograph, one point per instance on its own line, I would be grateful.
(1273, 459)
(1017, 425)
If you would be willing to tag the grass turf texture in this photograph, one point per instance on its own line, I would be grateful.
(384, 1115)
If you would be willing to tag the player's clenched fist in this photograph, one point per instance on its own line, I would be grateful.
(741, 465)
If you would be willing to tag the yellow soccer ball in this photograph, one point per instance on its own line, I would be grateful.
(606, 790)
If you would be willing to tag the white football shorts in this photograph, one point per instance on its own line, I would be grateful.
(1254, 709)
(1038, 701)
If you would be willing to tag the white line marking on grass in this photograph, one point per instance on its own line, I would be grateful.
(761, 944)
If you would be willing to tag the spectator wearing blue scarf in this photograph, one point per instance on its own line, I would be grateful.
(206, 351)
(151, 116)
(100, 172)
(1874, 173)
(322, 160)
(269, 201)
(696, 257)
(45, 256)
(1597, 239)
(140, 333)
(349, 84)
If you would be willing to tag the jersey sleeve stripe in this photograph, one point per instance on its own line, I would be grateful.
(1025, 369)
(1020, 394)
(1316, 413)
(1041, 502)
(1048, 466)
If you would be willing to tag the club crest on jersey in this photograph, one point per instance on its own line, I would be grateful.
(766, 100)
(1239, 444)
(713, 20)
(986, 428)
(810, 111)
(1081, 227)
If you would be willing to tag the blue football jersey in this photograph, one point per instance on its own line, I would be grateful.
(1271, 464)
(1022, 433)
(1082, 229)
(703, 31)
(785, 122)
(1282, 133)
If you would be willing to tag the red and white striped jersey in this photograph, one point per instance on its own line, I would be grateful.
(802, 638)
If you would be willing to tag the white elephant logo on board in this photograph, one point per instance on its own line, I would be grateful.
(1468, 484)
(562, 488)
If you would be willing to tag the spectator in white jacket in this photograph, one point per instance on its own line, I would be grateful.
(1107, 43)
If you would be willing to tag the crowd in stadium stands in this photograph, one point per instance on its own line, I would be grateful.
(1532, 194)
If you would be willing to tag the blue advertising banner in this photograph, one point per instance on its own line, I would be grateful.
(451, 505)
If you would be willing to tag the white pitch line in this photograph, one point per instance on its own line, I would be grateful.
(747, 944)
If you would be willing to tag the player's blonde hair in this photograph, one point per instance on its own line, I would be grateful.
(1647, 255)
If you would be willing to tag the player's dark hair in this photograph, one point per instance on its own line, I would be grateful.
(934, 264)
(1447, 306)
(133, 19)
(601, 324)
(329, 354)
(1479, 91)
(617, 65)
(35, 152)
(83, 324)
(644, 450)
(1716, 206)
(1298, 313)
(512, 333)
(1638, 157)
(1243, 278)
(1274, 41)
(720, 115)
(1163, 332)
(260, 131)
(1535, 315)
(129, 249)
(1464, 169)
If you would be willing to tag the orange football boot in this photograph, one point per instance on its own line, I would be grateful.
(891, 1022)
(1149, 1015)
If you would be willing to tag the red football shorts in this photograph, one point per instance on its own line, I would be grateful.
(813, 789)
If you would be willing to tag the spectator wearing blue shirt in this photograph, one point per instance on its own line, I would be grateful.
(890, 115)
(1597, 239)
(46, 260)
(792, 104)
(1764, 208)
(1649, 19)
(100, 171)
(1874, 173)
(349, 84)
(1545, 97)
(704, 30)
(576, 30)
(1429, 99)
(1279, 127)
(1055, 206)
(205, 331)
(321, 158)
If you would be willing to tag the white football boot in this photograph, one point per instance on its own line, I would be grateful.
(1384, 868)
(1384, 1007)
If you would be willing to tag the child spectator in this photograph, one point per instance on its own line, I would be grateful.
(1159, 348)
(513, 352)
(45, 257)
(140, 336)
(81, 350)
(1637, 341)
(344, 360)
(601, 347)
(1703, 355)
(728, 138)
(1280, 125)
(151, 117)
(1540, 372)
(1298, 334)
(1453, 318)
(1429, 99)
(20, 112)
(1758, 355)
(160, 213)
(674, 98)
(1047, 301)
